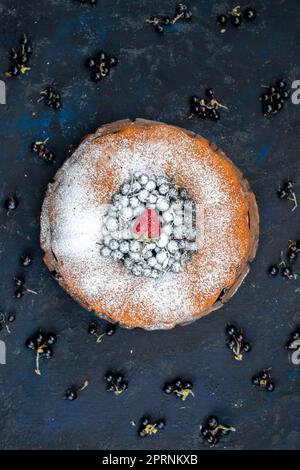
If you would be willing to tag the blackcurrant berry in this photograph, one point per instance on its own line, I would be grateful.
(30, 343)
(281, 84)
(11, 203)
(250, 14)
(273, 271)
(113, 61)
(168, 388)
(47, 353)
(51, 339)
(188, 385)
(92, 329)
(282, 194)
(222, 20)
(26, 260)
(71, 394)
(161, 424)
(110, 329)
(91, 63)
(212, 422)
(145, 421)
(19, 281)
(204, 431)
(19, 293)
(247, 347)
(209, 93)
(96, 77)
(292, 255)
(256, 380)
(236, 20)
(11, 318)
(270, 387)
(231, 330)
(287, 272)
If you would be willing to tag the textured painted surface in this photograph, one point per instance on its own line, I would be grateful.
(154, 80)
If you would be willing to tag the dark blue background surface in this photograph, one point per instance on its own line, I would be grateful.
(154, 80)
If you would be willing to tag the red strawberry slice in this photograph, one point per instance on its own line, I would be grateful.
(147, 225)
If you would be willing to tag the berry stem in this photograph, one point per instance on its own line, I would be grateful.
(85, 384)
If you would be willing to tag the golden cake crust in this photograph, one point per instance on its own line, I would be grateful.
(88, 179)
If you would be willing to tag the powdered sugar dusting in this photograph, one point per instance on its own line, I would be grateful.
(75, 208)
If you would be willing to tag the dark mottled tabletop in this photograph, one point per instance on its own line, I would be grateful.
(155, 78)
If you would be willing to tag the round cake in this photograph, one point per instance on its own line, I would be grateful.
(149, 225)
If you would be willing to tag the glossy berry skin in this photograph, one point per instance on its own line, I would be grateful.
(270, 387)
(145, 421)
(256, 380)
(91, 63)
(287, 272)
(212, 422)
(222, 20)
(96, 77)
(209, 93)
(19, 293)
(273, 271)
(204, 431)
(231, 330)
(282, 194)
(11, 318)
(26, 260)
(250, 14)
(236, 21)
(113, 61)
(110, 329)
(92, 329)
(292, 255)
(71, 394)
(247, 347)
(168, 388)
(161, 424)
(30, 343)
(212, 440)
(108, 377)
(11, 204)
(51, 339)
(47, 353)
(19, 281)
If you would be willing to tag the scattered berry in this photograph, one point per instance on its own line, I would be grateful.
(236, 342)
(11, 204)
(180, 388)
(115, 383)
(182, 14)
(40, 343)
(212, 430)
(51, 98)
(110, 330)
(40, 148)
(19, 58)
(250, 14)
(5, 319)
(100, 66)
(206, 109)
(149, 428)
(273, 100)
(72, 393)
(263, 380)
(26, 260)
(286, 191)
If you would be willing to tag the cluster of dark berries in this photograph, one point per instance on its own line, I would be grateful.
(115, 383)
(19, 58)
(19, 282)
(180, 388)
(236, 342)
(263, 380)
(72, 392)
(100, 66)
(91, 2)
(291, 255)
(212, 430)
(286, 191)
(51, 98)
(41, 150)
(272, 100)
(206, 108)
(236, 17)
(5, 320)
(41, 344)
(182, 14)
(11, 203)
(110, 330)
(148, 428)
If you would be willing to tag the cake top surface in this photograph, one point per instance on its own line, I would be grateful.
(75, 205)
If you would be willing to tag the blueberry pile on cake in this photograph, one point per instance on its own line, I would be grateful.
(149, 225)
(167, 238)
